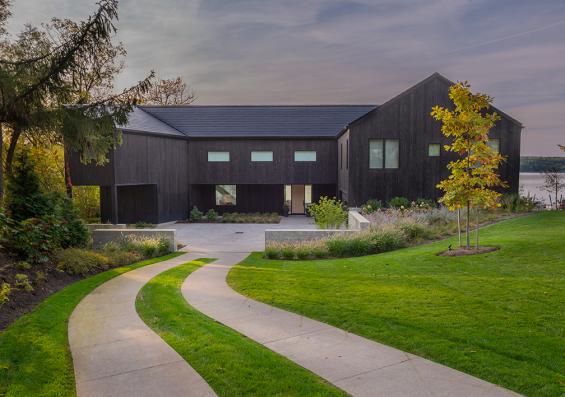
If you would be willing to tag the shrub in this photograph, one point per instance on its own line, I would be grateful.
(5, 291)
(211, 215)
(272, 252)
(288, 251)
(144, 225)
(388, 239)
(424, 204)
(22, 281)
(122, 258)
(195, 214)
(81, 261)
(328, 213)
(40, 277)
(371, 206)
(399, 203)
(147, 247)
(23, 265)
(513, 202)
(415, 230)
(36, 239)
(358, 245)
(74, 231)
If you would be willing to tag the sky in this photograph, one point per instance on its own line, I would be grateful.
(345, 52)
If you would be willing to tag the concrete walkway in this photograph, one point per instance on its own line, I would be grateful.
(116, 354)
(357, 365)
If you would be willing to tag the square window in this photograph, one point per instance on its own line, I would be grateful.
(218, 157)
(226, 195)
(304, 155)
(434, 149)
(494, 144)
(261, 156)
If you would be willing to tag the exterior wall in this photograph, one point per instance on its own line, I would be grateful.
(343, 167)
(282, 170)
(407, 118)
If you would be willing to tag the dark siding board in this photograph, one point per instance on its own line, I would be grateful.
(137, 203)
(408, 119)
(283, 169)
(105, 204)
(328, 190)
(250, 198)
(90, 174)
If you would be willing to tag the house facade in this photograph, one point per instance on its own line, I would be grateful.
(261, 158)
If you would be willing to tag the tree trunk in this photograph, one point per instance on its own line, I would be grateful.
(468, 226)
(12, 150)
(459, 226)
(477, 236)
(68, 180)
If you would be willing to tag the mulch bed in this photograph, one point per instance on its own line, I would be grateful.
(463, 251)
(21, 302)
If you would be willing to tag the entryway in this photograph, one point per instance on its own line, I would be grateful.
(297, 197)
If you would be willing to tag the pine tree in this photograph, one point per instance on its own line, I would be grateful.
(24, 198)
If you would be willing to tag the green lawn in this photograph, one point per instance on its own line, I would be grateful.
(232, 364)
(498, 316)
(35, 359)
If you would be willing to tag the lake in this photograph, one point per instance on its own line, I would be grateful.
(530, 183)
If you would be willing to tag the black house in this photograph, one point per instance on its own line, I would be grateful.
(258, 158)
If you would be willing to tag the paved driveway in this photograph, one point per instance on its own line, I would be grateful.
(233, 237)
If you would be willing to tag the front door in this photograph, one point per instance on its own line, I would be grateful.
(297, 201)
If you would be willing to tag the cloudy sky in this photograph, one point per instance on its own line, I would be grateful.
(332, 51)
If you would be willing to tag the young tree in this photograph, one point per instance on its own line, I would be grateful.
(169, 92)
(41, 89)
(553, 184)
(474, 175)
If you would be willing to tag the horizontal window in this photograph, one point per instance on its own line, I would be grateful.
(260, 156)
(304, 155)
(218, 156)
(383, 153)
(494, 144)
(434, 149)
(226, 195)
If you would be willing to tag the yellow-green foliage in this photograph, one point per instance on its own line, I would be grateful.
(81, 261)
(22, 281)
(4, 293)
(328, 213)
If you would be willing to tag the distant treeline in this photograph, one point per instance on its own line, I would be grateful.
(542, 164)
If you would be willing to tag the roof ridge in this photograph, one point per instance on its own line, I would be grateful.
(161, 120)
(262, 106)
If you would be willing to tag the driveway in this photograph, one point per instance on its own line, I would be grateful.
(233, 237)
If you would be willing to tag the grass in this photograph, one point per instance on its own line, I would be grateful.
(35, 359)
(498, 316)
(232, 364)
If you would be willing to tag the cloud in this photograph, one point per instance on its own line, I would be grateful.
(350, 51)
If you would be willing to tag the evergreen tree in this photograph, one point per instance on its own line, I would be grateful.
(24, 198)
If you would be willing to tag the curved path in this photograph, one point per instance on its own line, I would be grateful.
(357, 365)
(116, 354)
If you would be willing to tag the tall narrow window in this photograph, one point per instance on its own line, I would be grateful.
(218, 157)
(376, 155)
(391, 153)
(347, 154)
(434, 149)
(304, 155)
(261, 156)
(308, 194)
(226, 195)
(494, 144)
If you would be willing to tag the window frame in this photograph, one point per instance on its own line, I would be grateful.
(306, 151)
(262, 161)
(439, 149)
(383, 163)
(216, 152)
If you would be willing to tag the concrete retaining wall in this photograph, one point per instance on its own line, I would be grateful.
(93, 226)
(356, 221)
(295, 235)
(104, 236)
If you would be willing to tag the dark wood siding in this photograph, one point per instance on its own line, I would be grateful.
(407, 118)
(283, 169)
(249, 198)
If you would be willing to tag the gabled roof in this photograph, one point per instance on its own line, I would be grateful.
(140, 121)
(258, 121)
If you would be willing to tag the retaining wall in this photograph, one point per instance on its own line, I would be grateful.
(93, 226)
(104, 236)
